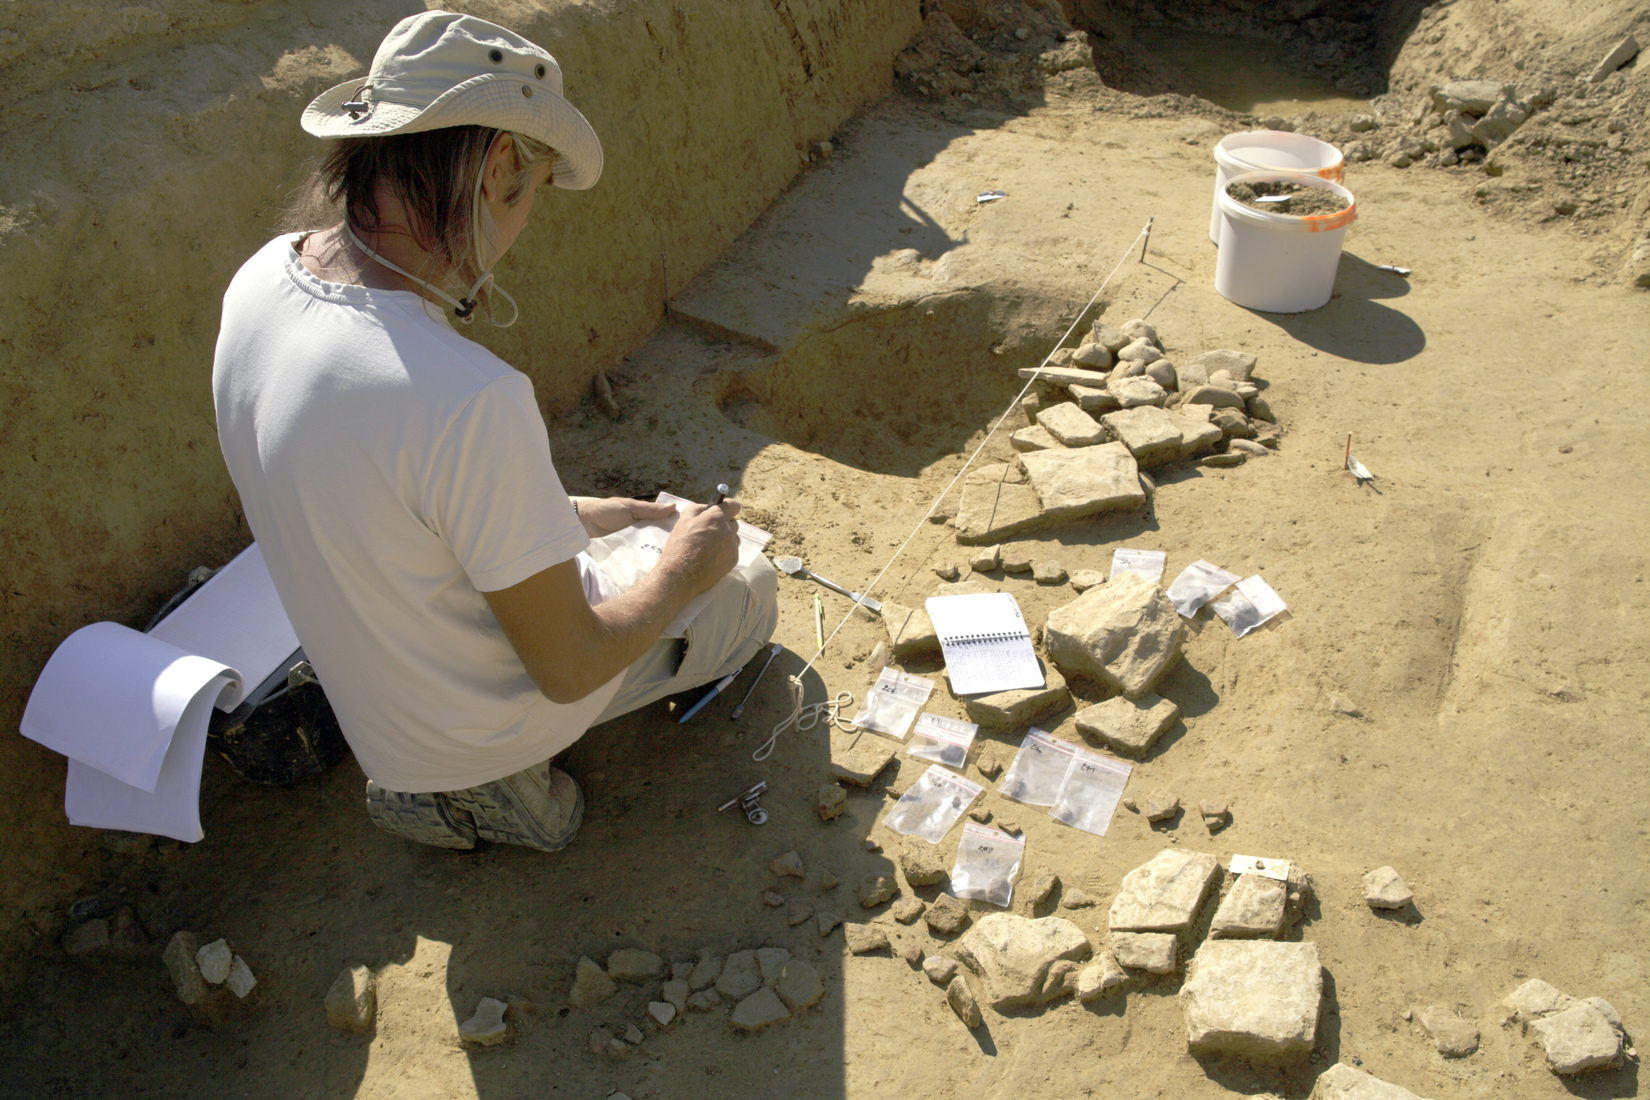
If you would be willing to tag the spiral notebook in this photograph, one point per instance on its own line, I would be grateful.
(987, 646)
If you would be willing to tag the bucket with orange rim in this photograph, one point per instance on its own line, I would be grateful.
(1280, 263)
(1257, 150)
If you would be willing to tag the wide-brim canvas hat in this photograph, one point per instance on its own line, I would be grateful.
(440, 69)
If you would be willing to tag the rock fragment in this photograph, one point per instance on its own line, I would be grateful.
(1085, 579)
(1077, 898)
(912, 954)
(945, 571)
(705, 971)
(827, 881)
(1385, 889)
(1133, 391)
(789, 863)
(939, 969)
(1578, 1039)
(858, 759)
(773, 899)
(1109, 337)
(1620, 54)
(663, 1012)
(1071, 426)
(631, 964)
(962, 1002)
(1535, 999)
(799, 985)
(1252, 909)
(985, 559)
(352, 1000)
(1125, 634)
(759, 1010)
(1162, 805)
(675, 993)
(1452, 1036)
(1048, 571)
(1342, 1082)
(988, 764)
(1016, 563)
(1155, 952)
(829, 801)
(1138, 329)
(215, 959)
(1252, 998)
(591, 985)
(240, 981)
(704, 1000)
(486, 1026)
(797, 913)
(908, 910)
(1013, 956)
(921, 862)
(1038, 887)
(1127, 726)
(980, 814)
(741, 976)
(947, 916)
(865, 938)
(1224, 461)
(1165, 893)
(1034, 438)
(1152, 435)
(1100, 977)
(825, 921)
(770, 961)
(876, 888)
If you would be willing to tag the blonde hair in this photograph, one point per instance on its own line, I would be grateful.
(433, 173)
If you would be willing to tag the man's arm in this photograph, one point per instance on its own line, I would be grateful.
(570, 648)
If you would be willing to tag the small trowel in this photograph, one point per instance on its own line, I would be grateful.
(795, 568)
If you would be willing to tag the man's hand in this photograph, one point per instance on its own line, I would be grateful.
(570, 648)
(603, 516)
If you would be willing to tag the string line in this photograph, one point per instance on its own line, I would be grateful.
(764, 750)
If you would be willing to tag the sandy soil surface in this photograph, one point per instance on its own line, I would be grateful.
(1481, 606)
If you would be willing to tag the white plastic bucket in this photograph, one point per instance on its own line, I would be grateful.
(1280, 263)
(1258, 150)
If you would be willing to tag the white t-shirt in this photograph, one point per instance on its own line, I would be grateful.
(392, 471)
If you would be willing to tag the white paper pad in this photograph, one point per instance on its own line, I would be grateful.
(986, 644)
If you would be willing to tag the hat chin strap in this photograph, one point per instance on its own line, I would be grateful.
(463, 308)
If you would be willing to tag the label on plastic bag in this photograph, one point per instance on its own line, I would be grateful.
(892, 702)
(932, 804)
(988, 862)
(942, 740)
(1039, 769)
(1148, 563)
(1197, 584)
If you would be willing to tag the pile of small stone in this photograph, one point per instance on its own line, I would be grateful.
(213, 981)
(1577, 1036)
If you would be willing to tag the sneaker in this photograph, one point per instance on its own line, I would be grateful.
(541, 807)
(425, 818)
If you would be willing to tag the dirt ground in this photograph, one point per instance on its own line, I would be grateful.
(1481, 606)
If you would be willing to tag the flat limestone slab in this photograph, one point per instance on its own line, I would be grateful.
(1065, 376)
(1034, 438)
(1342, 1082)
(1072, 426)
(1164, 893)
(1124, 633)
(997, 502)
(1253, 998)
(1150, 434)
(1127, 726)
(1082, 482)
(1007, 709)
(859, 757)
(1251, 910)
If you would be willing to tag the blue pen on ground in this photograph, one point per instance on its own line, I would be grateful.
(709, 695)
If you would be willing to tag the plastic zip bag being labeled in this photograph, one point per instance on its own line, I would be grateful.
(988, 862)
(1253, 604)
(1197, 584)
(932, 804)
(1039, 769)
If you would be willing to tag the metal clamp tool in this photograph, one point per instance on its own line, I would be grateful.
(750, 802)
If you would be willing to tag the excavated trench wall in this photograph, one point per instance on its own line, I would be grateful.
(147, 150)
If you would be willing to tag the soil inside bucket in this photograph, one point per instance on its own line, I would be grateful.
(1282, 197)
